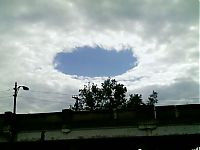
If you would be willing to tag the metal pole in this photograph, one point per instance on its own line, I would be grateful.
(15, 97)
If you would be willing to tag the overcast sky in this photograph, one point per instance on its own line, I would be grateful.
(163, 37)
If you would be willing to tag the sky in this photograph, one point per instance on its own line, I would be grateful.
(39, 39)
(87, 61)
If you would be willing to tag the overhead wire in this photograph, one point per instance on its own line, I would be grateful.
(5, 90)
(43, 99)
(48, 92)
(54, 95)
(5, 94)
(5, 97)
(50, 95)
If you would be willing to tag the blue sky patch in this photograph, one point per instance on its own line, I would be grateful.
(94, 62)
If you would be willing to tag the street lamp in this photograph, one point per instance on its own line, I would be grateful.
(16, 89)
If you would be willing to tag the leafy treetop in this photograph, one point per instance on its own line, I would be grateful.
(111, 95)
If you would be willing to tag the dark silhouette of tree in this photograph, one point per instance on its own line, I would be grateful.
(152, 99)
(90, 96)
(113, 94)
(134, 101)
(97, 96)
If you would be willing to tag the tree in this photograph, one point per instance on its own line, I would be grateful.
(97, 96)
(113, 94)
(90, 96)
(152, 99)
(134, 101)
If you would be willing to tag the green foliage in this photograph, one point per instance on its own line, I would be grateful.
(111, 95)
(134, 101)
(90, 96)
(152, 99)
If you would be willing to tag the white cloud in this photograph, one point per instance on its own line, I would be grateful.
(163, 35)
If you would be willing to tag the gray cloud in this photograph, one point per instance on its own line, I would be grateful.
(162, 34)
(182, 91)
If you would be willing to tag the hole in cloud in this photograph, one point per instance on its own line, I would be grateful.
(94, 62)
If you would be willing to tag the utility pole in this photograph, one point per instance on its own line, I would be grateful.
(15, 97)
(76, 103)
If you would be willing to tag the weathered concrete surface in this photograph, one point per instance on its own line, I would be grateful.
(111, 132)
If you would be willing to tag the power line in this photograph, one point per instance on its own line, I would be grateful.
(52, 96)
(5, 93)
(47, 92)
(5, 90)
(42, 99)
(5, 96)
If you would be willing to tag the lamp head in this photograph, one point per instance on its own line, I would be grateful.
(25, 88)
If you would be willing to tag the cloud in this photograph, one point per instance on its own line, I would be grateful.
(163, 36)
(182, 91)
